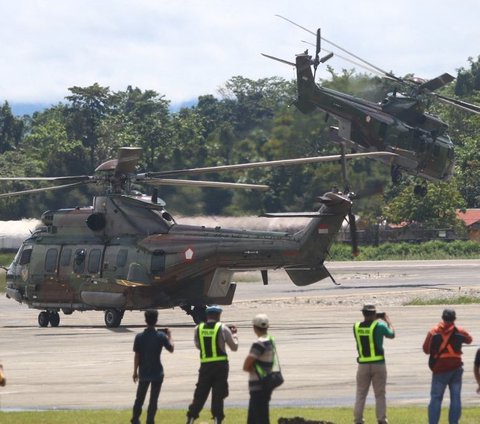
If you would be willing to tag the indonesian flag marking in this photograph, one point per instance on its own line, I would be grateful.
(189, 254)
(322, 229)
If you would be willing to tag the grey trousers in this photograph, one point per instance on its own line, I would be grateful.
(376, 375)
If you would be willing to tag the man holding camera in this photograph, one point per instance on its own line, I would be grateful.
(369, 335)
(211, 338)
(444, 345)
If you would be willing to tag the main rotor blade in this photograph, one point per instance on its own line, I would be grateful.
(389, 74)
(273, 163)
(127, 161)
(77, 178)
(197, 183)
(278, 59)
(39, 190)
(438, 82)
(459, 103)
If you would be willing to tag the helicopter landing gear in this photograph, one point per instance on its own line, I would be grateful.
(420, 190)
(396, 174)
(113, 317)
(197, 313)
(54, 318)
(43, 319)
(48, 317)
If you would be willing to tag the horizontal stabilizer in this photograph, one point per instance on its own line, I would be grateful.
(304, 277)
(292, 215)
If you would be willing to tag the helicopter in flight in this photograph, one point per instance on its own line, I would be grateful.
(398, 124)
(127, 252)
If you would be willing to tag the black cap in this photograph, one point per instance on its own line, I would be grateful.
(449, 315)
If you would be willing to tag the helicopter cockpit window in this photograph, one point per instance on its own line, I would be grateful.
(158, 262)
(122, 257)
(79, 261)
(25, 258)
(51, 260)
(94, 261)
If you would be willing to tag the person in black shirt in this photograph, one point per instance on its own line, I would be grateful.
(147, 368)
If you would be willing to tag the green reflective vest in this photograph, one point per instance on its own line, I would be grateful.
(208, 340)
(367, 351)
(258, 368)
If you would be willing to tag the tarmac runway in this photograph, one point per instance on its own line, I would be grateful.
(82, 364)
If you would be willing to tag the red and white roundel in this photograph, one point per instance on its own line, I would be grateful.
(322, 229)
(189, 254)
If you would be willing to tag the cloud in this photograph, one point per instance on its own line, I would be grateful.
(187, 48)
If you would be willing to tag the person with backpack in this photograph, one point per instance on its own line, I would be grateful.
(444, 345)
(259, 364)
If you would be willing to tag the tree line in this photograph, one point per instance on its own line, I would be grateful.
(246, 121)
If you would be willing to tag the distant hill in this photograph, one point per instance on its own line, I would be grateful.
(21, 109)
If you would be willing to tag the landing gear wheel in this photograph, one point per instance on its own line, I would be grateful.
(54, 318)
(43, 319)
(113, 318)
(420, 190)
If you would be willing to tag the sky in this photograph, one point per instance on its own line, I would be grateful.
(186, 48)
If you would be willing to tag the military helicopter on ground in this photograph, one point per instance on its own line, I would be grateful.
(398, 124)
(126, 252)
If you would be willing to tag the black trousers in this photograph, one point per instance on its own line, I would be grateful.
(142, 388)
(258, 407)
(211, 376)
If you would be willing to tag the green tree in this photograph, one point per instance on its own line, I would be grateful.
(436, 210)
(88, 106)
(11, 129)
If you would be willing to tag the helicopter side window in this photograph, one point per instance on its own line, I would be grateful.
(158, 262)
(65, 257)
(94, 261)
(79, 261)
(51, 260)
(122, 257)
(25, 258)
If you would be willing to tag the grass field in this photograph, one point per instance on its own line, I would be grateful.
(397, 415)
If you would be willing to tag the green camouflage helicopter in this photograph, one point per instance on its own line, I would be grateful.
(399, 124)
(126, 252)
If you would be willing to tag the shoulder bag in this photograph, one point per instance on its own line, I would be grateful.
(273, 379)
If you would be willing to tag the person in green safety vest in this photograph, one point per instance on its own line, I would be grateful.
(258, 364)
(211, 338)
(369, 335)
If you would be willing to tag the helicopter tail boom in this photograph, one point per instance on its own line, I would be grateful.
(305, 83)
(316, 238)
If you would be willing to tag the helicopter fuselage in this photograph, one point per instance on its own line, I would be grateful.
(129, 254)
(420, 140)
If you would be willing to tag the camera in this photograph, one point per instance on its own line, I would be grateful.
(233, 329)
(381, 315)
(164, 330)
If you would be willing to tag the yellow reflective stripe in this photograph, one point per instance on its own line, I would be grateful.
(212, 333)
(367, 332)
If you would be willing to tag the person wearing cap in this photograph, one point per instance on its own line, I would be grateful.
(147, 367)
(211, 338)
(259, 362)
(371, 370)
(444, 345)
